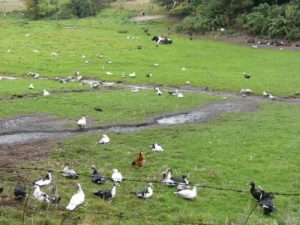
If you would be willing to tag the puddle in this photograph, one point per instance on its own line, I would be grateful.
(8, 78)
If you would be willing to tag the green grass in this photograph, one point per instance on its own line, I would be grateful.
(209, 63)
(226, 152)
(118, 106)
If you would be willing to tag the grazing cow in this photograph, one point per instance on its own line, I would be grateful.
(162, 40)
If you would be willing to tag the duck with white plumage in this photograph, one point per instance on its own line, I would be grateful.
(146, 193)
(44, 181)
(40, 195)
(107, 194)
(81, 123)
(116, 176)
(77, 199)
(187, 193)
(157, 147)
(69, 173)
(104, 140)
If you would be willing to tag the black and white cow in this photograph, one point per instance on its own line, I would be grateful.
(162, 40)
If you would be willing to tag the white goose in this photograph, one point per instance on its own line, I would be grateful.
(116, 176)
(104, 140)
(82, 122)
(76, 200)
(43, 181)
(30, 86)
(39, 195)
(187, 193)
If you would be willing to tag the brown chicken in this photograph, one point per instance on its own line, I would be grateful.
(139, 162)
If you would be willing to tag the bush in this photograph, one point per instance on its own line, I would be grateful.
(65, 12)
(37, 9)
(274, 21)
(82, 8)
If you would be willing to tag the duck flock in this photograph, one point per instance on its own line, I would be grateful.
(184, 188)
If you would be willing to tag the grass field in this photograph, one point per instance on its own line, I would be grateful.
(209, 64)
(224, 152)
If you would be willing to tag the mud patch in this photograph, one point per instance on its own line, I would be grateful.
(13, 154)
(208, 112)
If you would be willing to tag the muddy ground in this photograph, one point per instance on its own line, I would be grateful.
(31, 136)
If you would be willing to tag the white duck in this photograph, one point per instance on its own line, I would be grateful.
(132, 75)
(116, 176)
(157, 148)
(39, 195)
(30, 86)
(144, 194)
(43, 181)
(104, 140)
(180, 95)
(159, 92)
(82, 122)
(266, 94)
(76, 200)
(187, 193)
(45, 93)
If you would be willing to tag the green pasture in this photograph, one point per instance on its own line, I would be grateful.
(226, 152)
(111, 34)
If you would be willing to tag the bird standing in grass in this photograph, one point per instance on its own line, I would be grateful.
(39, 195)
(157, 148)
(69, 173)
(256, 193)
(96, 176)
(146, 193)
(43, 181)
(55, 198)
(104, 140)
(20, 192)
(76, 200)
(82, 122)
(247, 76)
(116, 176)
(265, 202)
(30, 86)
(187, 193)
(139, 162)
(45, 93)
(266, 94)
(107, 194)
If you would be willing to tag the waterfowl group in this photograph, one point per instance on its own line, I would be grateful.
(263, 198)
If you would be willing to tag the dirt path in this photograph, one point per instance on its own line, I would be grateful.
(147, 17)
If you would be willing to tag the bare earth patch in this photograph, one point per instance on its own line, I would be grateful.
(147, 17)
